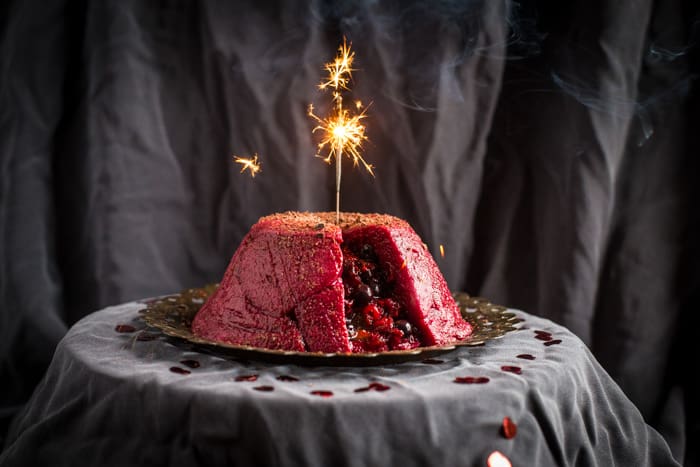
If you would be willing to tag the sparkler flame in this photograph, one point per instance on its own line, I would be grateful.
(343, 132)
(248, 164)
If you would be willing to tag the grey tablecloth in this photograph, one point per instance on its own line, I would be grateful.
(112, 399)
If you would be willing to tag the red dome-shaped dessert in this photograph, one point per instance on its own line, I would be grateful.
(300, 282)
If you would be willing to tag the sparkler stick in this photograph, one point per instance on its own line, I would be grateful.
(342, 132)
(338, 170)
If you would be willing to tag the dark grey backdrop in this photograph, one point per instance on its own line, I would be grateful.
(549, 146)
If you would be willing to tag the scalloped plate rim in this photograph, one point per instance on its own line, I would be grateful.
(394, 356)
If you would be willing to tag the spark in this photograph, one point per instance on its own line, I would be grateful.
(442, 251)
(339, 70)
(248, 164)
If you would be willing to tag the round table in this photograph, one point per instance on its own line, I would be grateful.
(119, 394)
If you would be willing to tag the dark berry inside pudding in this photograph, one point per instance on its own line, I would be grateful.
(376, 319)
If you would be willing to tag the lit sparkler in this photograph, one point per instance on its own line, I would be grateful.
(343, 132)
(248, 164)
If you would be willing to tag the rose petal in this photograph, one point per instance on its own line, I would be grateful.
(526, 356)
(374, 387)
(508, 428)
(471, 380)
(264, 388)
(554, 342)
(464, 380)
(379, 387)
(249, 378)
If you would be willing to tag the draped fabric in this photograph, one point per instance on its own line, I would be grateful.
(119, 401)
(548, 146)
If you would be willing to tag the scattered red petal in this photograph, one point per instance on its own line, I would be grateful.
(544, 337)
(464, 380)
(322, 393)
(264, 388)
(508, 428)
(180, 371)
(249, 378)
(512, 369)
(554, 342)
(379, 387)
(496, 459)
(526, 356)
(471, 380)
(124, 328)
(374, 387)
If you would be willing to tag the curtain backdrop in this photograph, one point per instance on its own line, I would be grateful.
(549, 146)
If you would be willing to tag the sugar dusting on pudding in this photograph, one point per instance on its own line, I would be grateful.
(301, 282)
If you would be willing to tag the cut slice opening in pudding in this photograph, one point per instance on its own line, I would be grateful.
(375, 316)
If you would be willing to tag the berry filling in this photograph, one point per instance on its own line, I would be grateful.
(376, 319)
